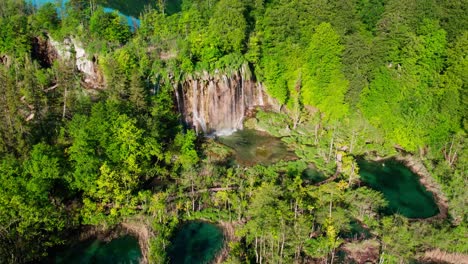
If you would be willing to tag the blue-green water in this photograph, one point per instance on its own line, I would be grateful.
(130, 10)
(196, 243)
(123, 250)
(400, 187)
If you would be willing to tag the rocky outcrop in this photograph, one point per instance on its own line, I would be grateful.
(5, 60)
(85, 65)
(72, 49)
(43, 51)
(217, 104)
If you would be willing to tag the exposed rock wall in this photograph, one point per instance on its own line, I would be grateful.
(72, 49)
(43, 51)
(217, 104)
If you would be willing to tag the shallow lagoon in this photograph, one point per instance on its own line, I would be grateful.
(400, 187)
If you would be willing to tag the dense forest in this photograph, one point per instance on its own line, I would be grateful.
(350, 78)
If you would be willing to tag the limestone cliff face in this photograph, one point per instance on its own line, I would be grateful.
(72, 49)
(217, 104)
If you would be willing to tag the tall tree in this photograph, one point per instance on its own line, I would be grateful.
(324, 84)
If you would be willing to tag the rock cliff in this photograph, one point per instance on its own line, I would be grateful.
(72, 49)
(217, 104)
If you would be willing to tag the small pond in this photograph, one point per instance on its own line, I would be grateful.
(400, 187)
(254, 147)
(196, 243)
(124, 250)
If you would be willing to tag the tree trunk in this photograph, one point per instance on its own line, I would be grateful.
(295, 209)
(282, 246)
(256, 250)
(351, 173)
(64, 103)
(316, 133)
(193, 195)
(331, 146)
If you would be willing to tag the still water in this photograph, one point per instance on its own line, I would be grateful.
(196, 243)
(130, 10)
(123, 250)
(254, 147)
(400, 187)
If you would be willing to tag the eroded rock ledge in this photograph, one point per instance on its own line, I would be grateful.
(71, 49)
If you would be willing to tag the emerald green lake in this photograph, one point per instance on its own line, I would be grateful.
(400, 187)
(254, 147)
(196, 243)
(123, 250)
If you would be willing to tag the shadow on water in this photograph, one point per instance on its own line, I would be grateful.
(400, 187)
(254, 147)
(196, 243)
(124, 250)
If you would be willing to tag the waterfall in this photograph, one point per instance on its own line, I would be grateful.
(217, 104)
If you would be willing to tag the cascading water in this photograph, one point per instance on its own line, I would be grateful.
(217, 104)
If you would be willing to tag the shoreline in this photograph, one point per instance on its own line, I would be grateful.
(139, 229)
(425, 179)
(133, 227)
(228, 229)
